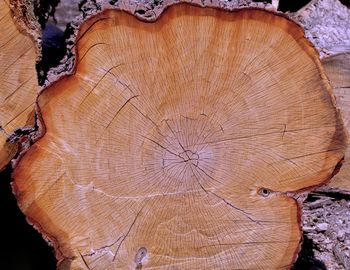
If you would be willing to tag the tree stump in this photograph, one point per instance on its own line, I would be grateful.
(18, 79)
(181, 143)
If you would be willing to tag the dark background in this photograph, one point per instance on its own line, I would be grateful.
(21, 246)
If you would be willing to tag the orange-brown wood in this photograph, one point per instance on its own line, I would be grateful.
(18, 81)
(178, 144)
(338, 71)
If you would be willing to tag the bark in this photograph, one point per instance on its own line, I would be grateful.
(326, 24)
(182, 142)
(19, 48)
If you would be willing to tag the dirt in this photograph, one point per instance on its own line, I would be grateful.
(326, 225)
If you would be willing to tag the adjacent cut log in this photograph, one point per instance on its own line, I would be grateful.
(338, 71)
(18, 80)
(179, 143)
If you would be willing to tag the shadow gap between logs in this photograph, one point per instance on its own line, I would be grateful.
(22, 247)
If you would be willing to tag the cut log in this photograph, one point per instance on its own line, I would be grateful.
(18, 79)
(181, 143)
(338, 71)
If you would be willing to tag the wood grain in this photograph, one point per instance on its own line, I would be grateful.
(177, 144)
(18, 81)
(338, 71)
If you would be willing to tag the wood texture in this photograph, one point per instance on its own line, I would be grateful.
(338, 71)
(179, 144)
(18, 80)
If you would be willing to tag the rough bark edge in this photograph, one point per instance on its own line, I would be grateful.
(152, 13)
(144, 10)
(27, 22)
(332, 190)
(324, 25)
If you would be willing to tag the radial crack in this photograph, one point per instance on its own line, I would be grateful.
(84, 261)
(120, 109)
(247, 215)
(127, 233)
(161, 146)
